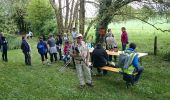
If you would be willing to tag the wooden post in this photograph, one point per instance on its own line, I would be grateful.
(155, 45)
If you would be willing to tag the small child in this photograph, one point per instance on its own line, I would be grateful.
(66, 56)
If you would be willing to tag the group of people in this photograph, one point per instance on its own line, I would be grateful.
(100, 58)
(79, 52)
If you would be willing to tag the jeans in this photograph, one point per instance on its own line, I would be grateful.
(66, 58)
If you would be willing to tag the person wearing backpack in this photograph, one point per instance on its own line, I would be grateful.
(26, 50)
(133, 71)
(42, 49)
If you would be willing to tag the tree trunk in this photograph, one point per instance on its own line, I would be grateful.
(71, 17)
(105, 17)
(82, 16)
(66, 17)
(60, 18)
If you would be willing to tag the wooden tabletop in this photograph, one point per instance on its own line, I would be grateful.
(119, 52)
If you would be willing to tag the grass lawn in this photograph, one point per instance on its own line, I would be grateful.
(41, 82)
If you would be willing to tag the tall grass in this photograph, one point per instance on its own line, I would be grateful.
(14, 42)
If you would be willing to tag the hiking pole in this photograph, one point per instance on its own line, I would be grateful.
(64, 67)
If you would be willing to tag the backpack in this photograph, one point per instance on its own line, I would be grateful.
(41, 48)
(125, 59)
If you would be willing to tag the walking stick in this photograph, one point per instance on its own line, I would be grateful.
(64, 67)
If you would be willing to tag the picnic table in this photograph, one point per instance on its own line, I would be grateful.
(117, 70)
(113, 53)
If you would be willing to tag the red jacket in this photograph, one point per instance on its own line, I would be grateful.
(124, 37)
(66, 48)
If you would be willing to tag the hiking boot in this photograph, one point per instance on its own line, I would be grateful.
(90, 84)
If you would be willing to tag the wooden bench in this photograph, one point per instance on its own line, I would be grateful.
(112, 69)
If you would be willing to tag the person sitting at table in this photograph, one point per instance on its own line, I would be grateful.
(99, 58)
(128, 73)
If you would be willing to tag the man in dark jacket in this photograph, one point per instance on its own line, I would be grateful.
(26, 50)
(4, 46)
(59, 45)
(99, 58)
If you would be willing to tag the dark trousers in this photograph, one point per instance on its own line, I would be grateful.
(110, 58)
(59, 51)
(123, 46)
(53, 55)
(4, 56)
(27, 58)
(44, 56)
(133, 78)
(139, 72)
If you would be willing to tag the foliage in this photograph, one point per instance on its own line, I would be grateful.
(7, 23)
(14, 42)
(49, 26)
(40, 17)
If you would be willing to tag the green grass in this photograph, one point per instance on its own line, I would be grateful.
(41, 82)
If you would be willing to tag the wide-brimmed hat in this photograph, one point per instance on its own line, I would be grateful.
(79, 35)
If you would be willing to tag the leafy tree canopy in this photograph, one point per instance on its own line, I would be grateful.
(39, 15)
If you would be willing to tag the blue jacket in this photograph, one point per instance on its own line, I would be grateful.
(135, 61)
(44, 49)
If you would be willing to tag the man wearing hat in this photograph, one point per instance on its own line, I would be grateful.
(81, 56)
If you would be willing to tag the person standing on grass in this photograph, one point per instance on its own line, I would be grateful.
(81, 56)
(52, 48)
(73, 34)
(4, 48)
(25, 47)
(59, 45)
(124, 38)
(0, 41)
(42, 50)
(111, 43)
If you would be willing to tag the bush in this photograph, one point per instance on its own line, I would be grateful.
(13, 41)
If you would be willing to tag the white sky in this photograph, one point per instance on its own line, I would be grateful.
(91, 11)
